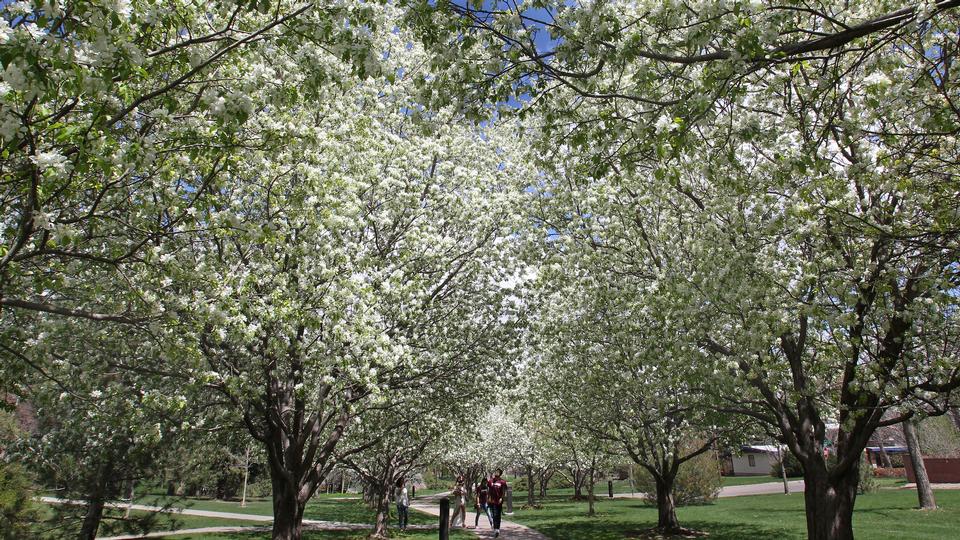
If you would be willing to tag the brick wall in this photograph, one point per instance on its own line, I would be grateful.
(940, 470)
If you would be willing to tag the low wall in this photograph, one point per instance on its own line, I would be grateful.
(940, 470)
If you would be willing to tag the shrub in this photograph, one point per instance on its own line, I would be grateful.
(698, 482)
(520, 484)
(867, 483)
(431, 480)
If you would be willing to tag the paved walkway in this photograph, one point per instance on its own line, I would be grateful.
(796, 486)
(508, 529)
(203, 530)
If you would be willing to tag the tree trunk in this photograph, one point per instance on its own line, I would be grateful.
(924, 489)
(130, 495)
(95, 503)
(530, 500)
(783, 471)
(884, 458)
(383, 512)
(577, 482)
(667, 521)
(829, 505)
(246, 476)
(91, 520)
(589, 480)
(287, 509)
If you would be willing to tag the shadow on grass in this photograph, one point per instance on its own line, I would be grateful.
(620, 530)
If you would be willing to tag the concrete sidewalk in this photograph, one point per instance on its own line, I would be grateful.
(766, 488)
(508, 529)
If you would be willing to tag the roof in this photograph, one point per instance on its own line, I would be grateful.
(889, 449)
(761, 448)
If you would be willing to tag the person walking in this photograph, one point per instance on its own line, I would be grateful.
(496, 491)
(403, 505)
(460, 500)
(480, 502)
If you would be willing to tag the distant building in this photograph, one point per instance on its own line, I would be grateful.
(752, 460)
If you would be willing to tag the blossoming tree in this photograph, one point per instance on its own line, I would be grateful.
(800, 160)
(369, 254)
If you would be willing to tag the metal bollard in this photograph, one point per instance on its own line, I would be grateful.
(444, 519)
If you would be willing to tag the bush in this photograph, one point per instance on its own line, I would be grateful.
(867, 483)
(431, 480)
(520, 484)
(791, 463)
(698, 482)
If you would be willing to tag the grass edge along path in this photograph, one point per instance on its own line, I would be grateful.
(201, 523)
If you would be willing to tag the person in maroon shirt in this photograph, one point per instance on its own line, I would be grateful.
(496, 491)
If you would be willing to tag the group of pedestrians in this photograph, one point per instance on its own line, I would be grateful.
(488, 496)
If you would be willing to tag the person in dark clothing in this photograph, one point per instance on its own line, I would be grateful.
(480, 502)
(496, 492)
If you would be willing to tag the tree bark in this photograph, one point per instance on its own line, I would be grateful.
(924, 489)
(578, 477)
(829, 501)
(95, 503)
(590, 485)
(783, 471)
(544, 480)
(287, 508)
(530, 487)
(383, 512)
(91, 520)
(884, 458)
(667, 521)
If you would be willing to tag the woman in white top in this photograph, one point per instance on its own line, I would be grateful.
(460, 500)
(403, 505)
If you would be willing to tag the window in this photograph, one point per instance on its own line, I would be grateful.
(752, 461)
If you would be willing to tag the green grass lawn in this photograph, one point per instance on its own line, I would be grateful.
(885, 515)
(891, 482)
(600, 491)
